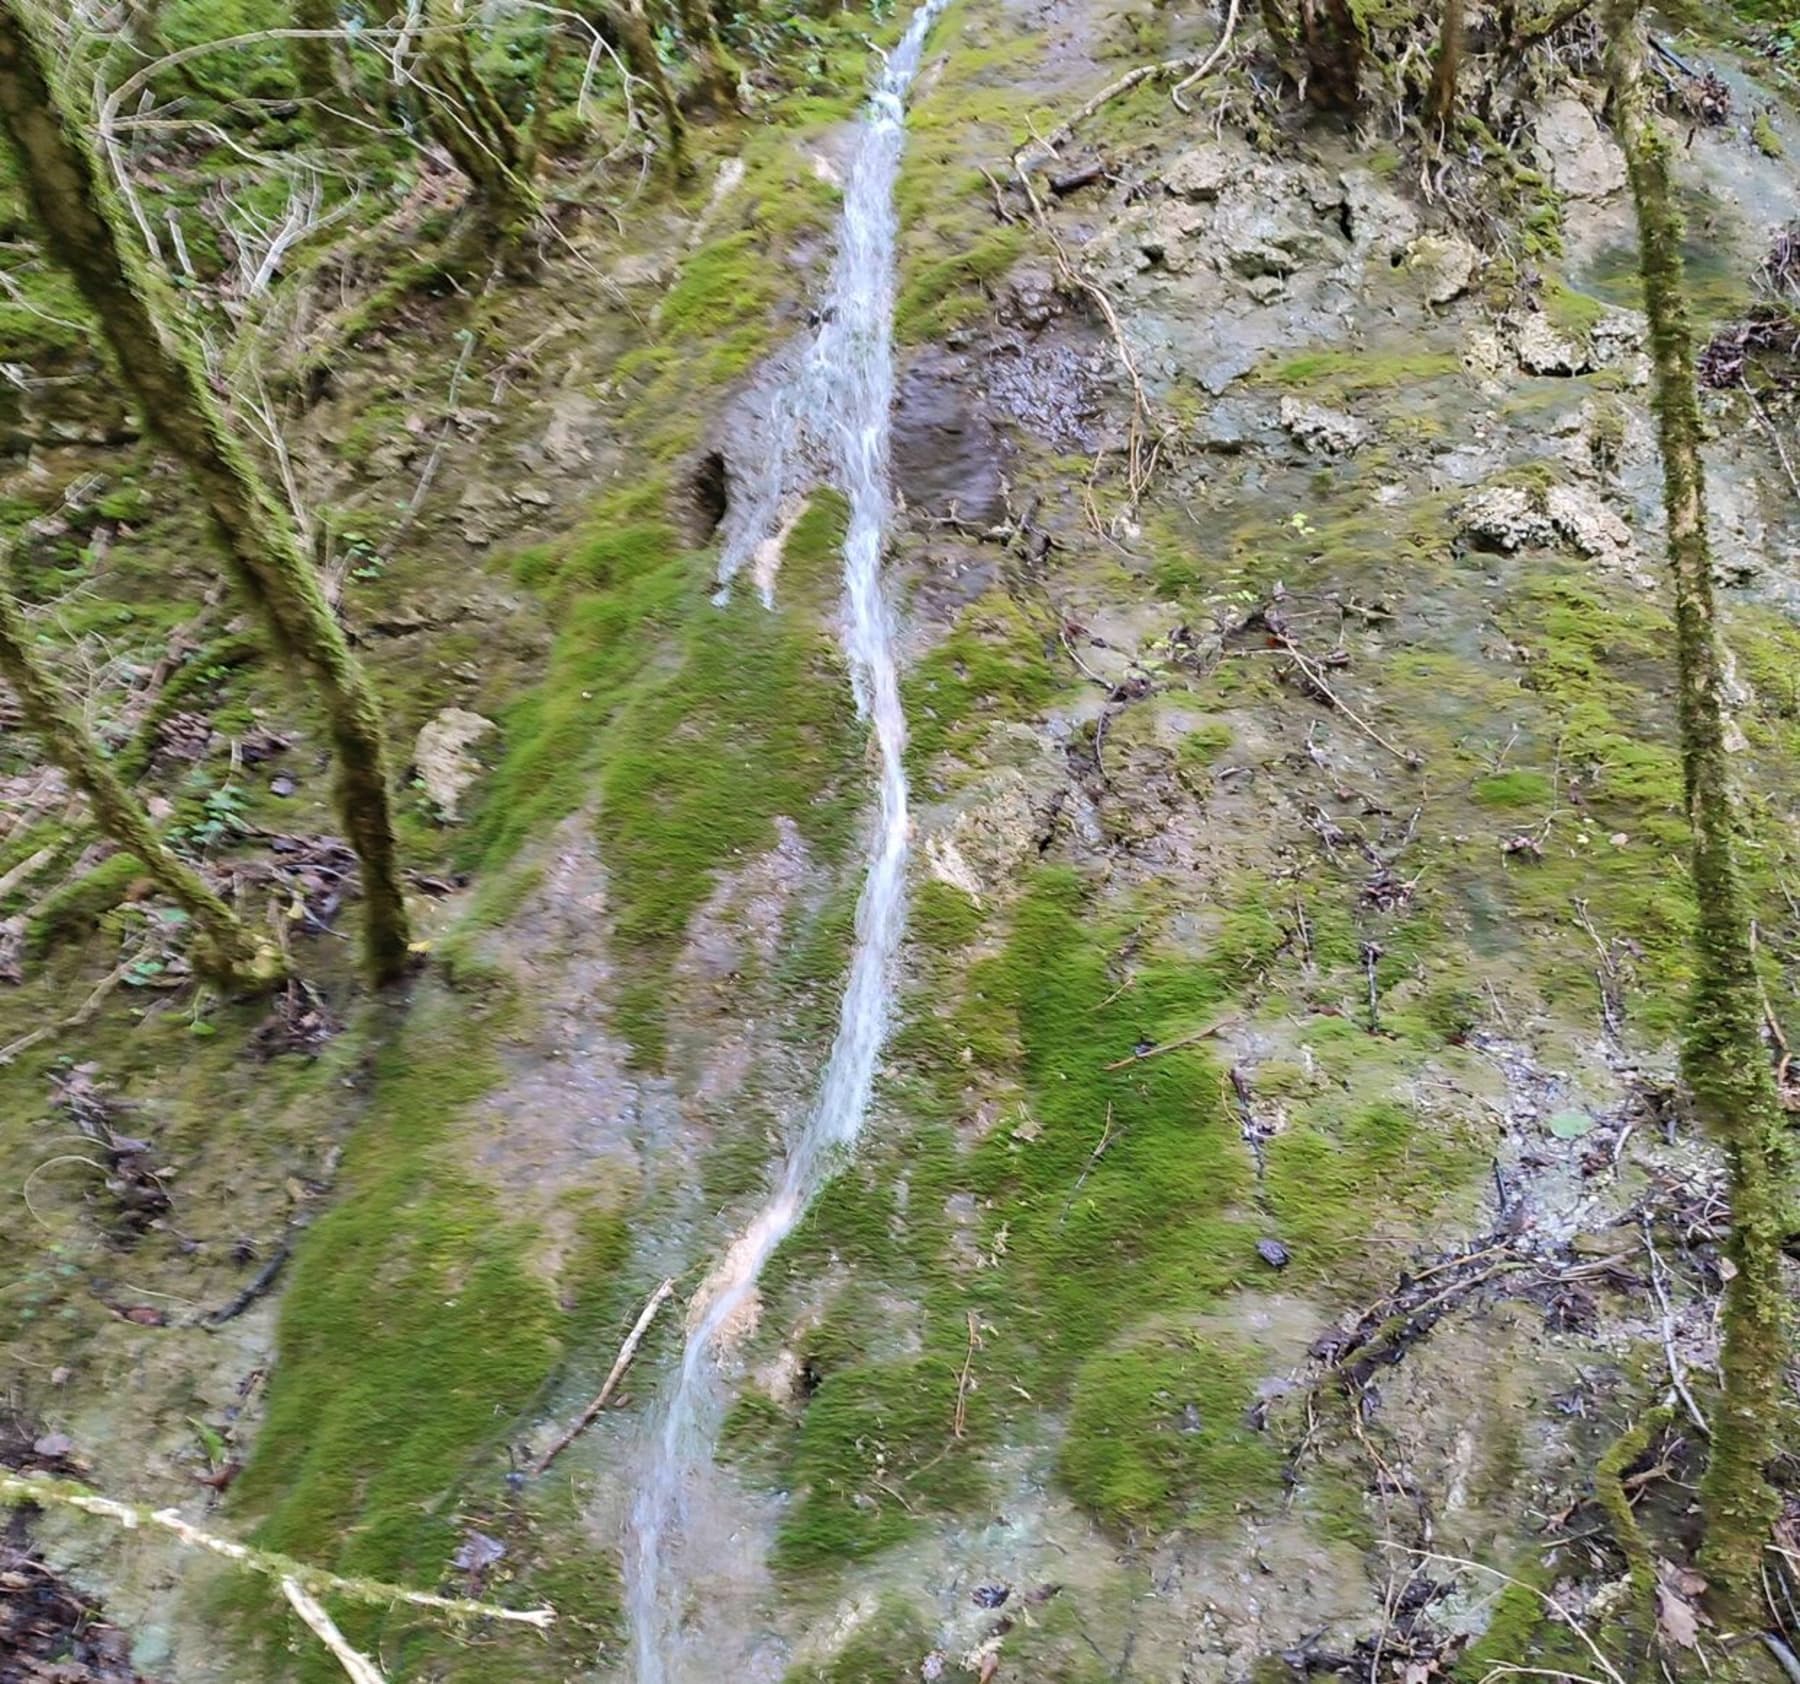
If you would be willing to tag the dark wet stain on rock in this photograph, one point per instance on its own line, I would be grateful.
(946, 449)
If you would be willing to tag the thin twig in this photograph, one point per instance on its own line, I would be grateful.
(960, 1419)
(74, 1020)
(361, 1669)
(620, 1363)
(1170, 1046)
(1316, 675)
(1676, 1378)
(1762, 415)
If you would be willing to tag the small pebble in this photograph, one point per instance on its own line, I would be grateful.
(283, 785)
(991, 1596)
(1272, 1252)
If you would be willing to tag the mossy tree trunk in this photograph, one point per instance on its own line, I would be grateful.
(469, 122)
(1725, 1062)
(632, 27)
(1333, 43)
(1440, 104)
(222, 947)
(319, 70)
(63, 185)
(715, 73)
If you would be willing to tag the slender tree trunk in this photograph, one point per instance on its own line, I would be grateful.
(1724, 1059)
(715, 74)
(1334, 54)
(643, 61)
(318, 70)
(223, 947)
(60, 179)
(1441, 103)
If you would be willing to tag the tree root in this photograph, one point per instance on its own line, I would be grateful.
(1638, 1616)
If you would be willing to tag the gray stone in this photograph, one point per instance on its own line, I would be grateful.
(444, 761)
(1583, 161)
(1330, 431)
(1201, 172)
(1444, 263)
(1542, 350)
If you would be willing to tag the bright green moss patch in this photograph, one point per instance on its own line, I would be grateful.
(944, 916)
(723, 285)
(75, 909)
(1157, 1434)
(1347, 373)
(1520, 788)
(1203, 745)
(1332, 1188)
(1149, 1218)
(411, 1332)
(994, 665)
(948, 292)
(876, 1450)
(886, 1648)
(692, 725)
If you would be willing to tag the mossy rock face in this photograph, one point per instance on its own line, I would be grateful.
(1158, 1435)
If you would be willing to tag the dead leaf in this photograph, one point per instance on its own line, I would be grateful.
(1677, 1619)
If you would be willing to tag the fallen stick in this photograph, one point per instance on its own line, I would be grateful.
(361, 1669)
(960, 1419)
(620, 1363)
(74, 1020)
(1170, 1046)
(260, 1283)
(65, 1494)
(1316, 674)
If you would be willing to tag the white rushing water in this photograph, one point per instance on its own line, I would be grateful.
(839, 400)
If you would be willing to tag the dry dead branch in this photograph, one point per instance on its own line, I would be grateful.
(620, 1363)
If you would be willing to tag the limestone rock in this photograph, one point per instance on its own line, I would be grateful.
(1542, 350)
(1030, 298)
(444, 761)
(1201, 172)
(1506, 517)
(1583, 161)
(1445, 263)
(1330, 431)
(1379, 218)
(1516, 517)
(1584, 521)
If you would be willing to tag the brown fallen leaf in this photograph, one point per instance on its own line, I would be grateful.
(1677, 1618)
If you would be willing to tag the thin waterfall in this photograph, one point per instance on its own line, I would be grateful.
(839, 400)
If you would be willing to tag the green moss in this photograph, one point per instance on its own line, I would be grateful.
(875, 1452)
(694, 724)
(1201, 747)
(1148, 1220)
(1325, 1183)
(1346, 374)
(886, 1648)
(944, 916)
(1575, 314)
(1157, 1434)
(1523, 1632)
(949, 292)
(1763, 134)
(411, 1332)
(994, 665)
(724, 284)
(74, 911)
(1519, 788)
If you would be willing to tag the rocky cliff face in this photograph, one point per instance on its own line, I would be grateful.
(1278, 1200)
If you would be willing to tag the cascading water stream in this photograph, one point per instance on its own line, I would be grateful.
(840, 399)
